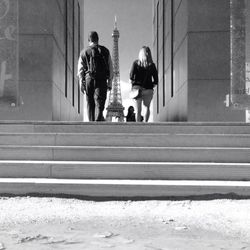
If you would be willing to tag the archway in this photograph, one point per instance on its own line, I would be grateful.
(134, 22)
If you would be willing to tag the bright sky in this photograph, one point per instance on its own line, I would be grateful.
(134, 22)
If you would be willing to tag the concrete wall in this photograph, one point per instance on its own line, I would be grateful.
(197, 45)
(209, 61)
(172, 89)
(178, 102)
(35, 43)
(67, 97)
(42, 63)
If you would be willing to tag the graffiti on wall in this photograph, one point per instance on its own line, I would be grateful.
(8, 53)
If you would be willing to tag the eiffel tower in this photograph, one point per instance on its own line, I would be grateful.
(115, 107)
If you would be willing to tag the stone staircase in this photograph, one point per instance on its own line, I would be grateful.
(115, 160)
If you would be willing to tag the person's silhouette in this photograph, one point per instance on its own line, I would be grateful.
(131, 115)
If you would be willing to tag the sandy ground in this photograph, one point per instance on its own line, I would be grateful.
(56, 223)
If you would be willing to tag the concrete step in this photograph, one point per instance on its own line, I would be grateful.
(107, 127)
(124, 159)
(121, 188)
(126, 139)
(125, 170)
(126, 154)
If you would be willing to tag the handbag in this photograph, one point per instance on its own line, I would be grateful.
(135, 91)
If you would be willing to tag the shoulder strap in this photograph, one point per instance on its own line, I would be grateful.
(104, 58)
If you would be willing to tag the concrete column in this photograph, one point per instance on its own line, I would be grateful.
(238, 93)
(8, 54)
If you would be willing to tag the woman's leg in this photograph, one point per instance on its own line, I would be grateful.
(147, 113)
(147, 96)
(138, 109)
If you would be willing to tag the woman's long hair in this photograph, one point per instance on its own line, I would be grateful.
(145, 57)
(130, 111)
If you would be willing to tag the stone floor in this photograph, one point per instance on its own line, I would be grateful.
(56, 223)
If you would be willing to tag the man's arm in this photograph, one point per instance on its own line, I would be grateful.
(111, 74)
(81, 72)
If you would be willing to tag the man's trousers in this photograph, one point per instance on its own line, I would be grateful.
(96, 95)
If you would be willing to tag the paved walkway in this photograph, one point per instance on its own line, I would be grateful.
(55, 223)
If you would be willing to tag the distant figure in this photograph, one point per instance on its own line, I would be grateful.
(144, 74)
(95, 71)
(131, 115)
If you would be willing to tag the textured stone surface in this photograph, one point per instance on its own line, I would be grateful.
(50, 223)
(42, 53)
(239, 47)
(8, 54)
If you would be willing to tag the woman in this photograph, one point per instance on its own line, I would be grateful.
(131, 115)
(144, 75)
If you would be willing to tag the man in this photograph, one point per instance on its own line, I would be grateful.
(95, 71)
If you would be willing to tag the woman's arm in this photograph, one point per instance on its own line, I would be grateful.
(155, 75)
(132, 73)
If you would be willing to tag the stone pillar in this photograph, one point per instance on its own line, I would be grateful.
(238, 28)
(8, 54)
